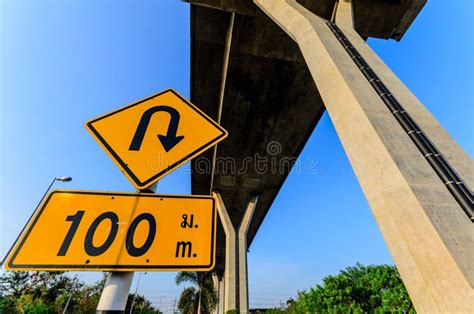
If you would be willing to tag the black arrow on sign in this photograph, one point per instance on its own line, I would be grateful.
(169, 140)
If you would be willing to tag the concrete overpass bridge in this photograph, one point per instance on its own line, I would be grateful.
(267, 70)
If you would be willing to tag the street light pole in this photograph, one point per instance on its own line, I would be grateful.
(62, 179)
(136, 291)
(73, 289)
(67, 303)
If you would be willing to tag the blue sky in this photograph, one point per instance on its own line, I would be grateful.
(64, 62)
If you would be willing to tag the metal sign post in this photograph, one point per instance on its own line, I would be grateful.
(114, 295)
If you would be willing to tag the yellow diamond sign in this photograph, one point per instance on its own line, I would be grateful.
(153, 136)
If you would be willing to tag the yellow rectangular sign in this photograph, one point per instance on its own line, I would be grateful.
(105, 231)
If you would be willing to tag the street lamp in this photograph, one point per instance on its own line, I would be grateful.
(64, 179)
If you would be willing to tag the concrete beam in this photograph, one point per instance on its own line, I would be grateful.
(236, 294)
(219, 288)
(225, 65)
(243, 248)
(344, 14)
(428, 233)
(236, 6)
(230, 280)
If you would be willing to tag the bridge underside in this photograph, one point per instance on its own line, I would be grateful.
(270, 98)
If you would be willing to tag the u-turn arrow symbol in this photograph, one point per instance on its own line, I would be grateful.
(169, 140)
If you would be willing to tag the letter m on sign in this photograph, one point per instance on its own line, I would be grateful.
(182, 247)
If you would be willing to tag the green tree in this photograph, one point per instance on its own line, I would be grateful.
(13, 283)
(359, 289)
(85, 298)
(34, 292)
(202, 297)
(140, 305)
(49, 292)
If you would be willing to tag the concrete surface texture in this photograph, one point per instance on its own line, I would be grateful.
(429, 236)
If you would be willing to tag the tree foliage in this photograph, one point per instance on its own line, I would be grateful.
(359, 289)
(202, 291)
(188, 301)
(49, 292)
(35, 292)
(140, 305)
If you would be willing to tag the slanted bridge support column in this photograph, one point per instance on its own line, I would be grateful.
(424, 217)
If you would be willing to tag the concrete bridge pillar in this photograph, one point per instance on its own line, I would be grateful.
(235, 279)
(219, 288)
(413, 174)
